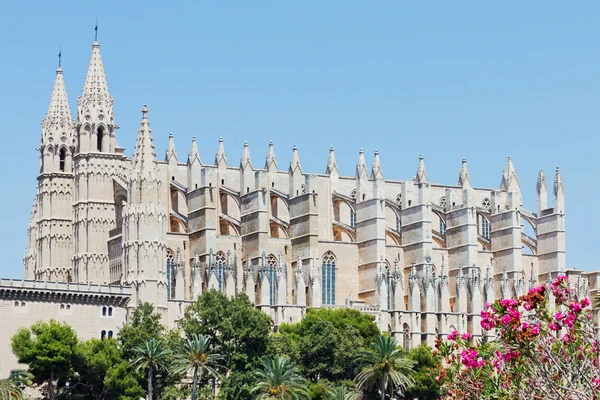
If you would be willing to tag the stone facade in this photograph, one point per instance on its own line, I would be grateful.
(422, 257)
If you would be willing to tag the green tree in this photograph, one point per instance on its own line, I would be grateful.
(196, 356)
(342, 392)
(49, 350)
(384, 367)
(152, 356)
(326, 352)
(10, 390)
(425, 370)
(279, 379)
(238, 385)
(94, 379)
(233, 325)
(143, 325)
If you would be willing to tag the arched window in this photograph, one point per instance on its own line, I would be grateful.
(62, 155)
(104, 311)
(99, 136)
(16, 304)
(328, 278)
(110, 311)
(272, 265)
(170, 274)
(102, 335)
(110, 334)
(485, 228)
(406, 337)
(220, 261)
(442, 227)
(68, 306)
(352, 219)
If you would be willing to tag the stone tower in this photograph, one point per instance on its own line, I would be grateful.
(145, 225)
(99, 166)
(50, 235)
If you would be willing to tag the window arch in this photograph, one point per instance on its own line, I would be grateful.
(104, 311)
(110, 334)
(352, 218)
(102, 335)
(485, 228)
(110, 311)
(272, 268)
(443, 202)
(328, 278)
(170, 274)
(99, 136)
(442, 227)
(62, 156)
(220, 263)
(406, 337)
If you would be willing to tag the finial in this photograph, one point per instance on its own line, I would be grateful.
(557, 168)
(96, 31)
(360, 151)
(246, 144)
(331, 149)
(464, 160)
(145, 111)
(295, 147)
(376, 152)
(270, 143)
(420, 156)
(170, 135)
(59, 56)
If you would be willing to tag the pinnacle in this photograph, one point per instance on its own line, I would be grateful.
(295, 162)
(193, 154)
(463, 176)
(421, 176)
(144, 159)
(331, 164)
(95, 90)
(220, 156)
(171, 152)
(59, 113)
(376, 171)
(245, 160)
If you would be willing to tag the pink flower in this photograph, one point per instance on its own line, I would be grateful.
(553, 326)
(527, 306)
(559, 316)
(506, 319)
(469, 358)
(453, 335)
(535, 330)
(585, 302)
(566, 338)
(466, 336)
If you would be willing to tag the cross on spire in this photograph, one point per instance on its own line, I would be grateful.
(59, 55)
(96, 30)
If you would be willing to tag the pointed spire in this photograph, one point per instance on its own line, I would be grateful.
(171, 152)
(376, 171)
(95, 94)
(421, 176)
(361, 165)
(245, 157)
(559, 193)
(194, 154)
(144, 159)
(331, 164)
(271, 160)
(295, 163)
(542, 192)
(463, 176)
(510, 181)
(220, 157)
(58, 118)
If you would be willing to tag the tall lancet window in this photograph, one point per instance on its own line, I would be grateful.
(220, 261)
(442, 227)
(170, 274)
(328, 278)
(272, 268)
(388, 283)
(62, 154)
(352, 219)
(485, 227)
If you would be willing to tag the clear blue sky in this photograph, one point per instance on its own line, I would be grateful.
(446, 79)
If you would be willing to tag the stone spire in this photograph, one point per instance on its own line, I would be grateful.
(361, 165)
(271, 160)
(510, 181)
(144, 158)
(295, 163)
(376, 171)
(542, 193)
(58, 122)
(421, 176)
(559, 193)
(331, 164)
(220, 158)
(95, 98)
(171, 152)
(463, 176)
(194, 154)
(245, 157)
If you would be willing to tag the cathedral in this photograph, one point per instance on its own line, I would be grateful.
(108, 230)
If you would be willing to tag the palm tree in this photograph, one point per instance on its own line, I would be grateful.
(9, 390)
(153, 356)
(196, 356)
(278, 378)
(385, 366)
(342, 393)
